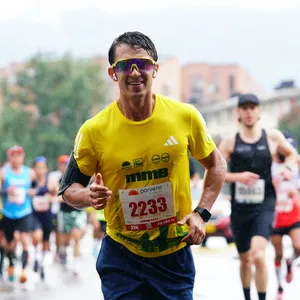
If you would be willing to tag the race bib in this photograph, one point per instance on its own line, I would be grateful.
(284, 203)
(18, 197)
(40, 203)
(251, 194)
(148, 207)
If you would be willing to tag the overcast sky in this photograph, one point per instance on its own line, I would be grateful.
(261, 35)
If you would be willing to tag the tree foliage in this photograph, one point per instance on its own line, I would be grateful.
(47, 104)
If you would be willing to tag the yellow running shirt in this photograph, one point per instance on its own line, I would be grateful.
(146, 166)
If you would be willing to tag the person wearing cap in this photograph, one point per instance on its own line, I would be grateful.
(287, 217)
(16, 180)
(43, 217)
(250, 153)
(62, 161)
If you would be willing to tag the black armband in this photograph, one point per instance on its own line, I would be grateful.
(34, 184)
(72, 175)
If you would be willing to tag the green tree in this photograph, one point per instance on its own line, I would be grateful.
(55, 96)
(13, 130)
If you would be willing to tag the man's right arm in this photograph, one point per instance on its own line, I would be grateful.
(73, 186)
(76, 190)
(77, 196)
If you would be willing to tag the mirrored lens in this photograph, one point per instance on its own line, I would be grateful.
(144, 64)
(123, 66)
(126, 66)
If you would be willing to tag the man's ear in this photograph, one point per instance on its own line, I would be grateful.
(112, 74)
(156, 67)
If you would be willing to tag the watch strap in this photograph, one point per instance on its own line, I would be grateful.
(204, 213)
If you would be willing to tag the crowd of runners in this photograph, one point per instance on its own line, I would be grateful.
(32, 212)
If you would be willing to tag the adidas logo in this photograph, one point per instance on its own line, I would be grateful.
(171, 141)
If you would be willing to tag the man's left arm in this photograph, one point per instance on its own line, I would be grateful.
(214, 178)
(203, 149)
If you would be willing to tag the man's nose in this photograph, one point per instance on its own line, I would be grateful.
(135, 72)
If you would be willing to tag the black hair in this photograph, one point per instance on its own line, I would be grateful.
(134, 39)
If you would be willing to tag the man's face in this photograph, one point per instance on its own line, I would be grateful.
(134, 84)
(41, 168)
(16, 159)
(249, 114)
(62, 166)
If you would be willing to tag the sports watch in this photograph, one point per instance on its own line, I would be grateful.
(204, 213)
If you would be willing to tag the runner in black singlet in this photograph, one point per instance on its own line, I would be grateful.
(250, 154)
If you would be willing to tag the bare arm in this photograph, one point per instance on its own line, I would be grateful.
(32, 191)
(214, 178)
(1, 178)
(53, 186)
(77, 195)
(77, 192)
(286, 149)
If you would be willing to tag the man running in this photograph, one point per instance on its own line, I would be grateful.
(71, 223)
(138, 149)
(54, 179)
(287, 217)
(43, 216)
(250, 153)
(16, 180)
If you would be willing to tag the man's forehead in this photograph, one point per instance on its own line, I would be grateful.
(128, 51)
(16, 154)
(248, 105)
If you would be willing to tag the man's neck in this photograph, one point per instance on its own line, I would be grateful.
(137, 109)
(16, 169)
(40, 178)
(251, 134)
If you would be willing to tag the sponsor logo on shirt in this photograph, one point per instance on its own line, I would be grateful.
(147, 175)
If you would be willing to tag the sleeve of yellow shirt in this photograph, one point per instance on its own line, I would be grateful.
(201, 143)
(90, 209)
(84, 152)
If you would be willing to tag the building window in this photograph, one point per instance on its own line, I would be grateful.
(232, 83)
(216, 83)
(196, 90)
